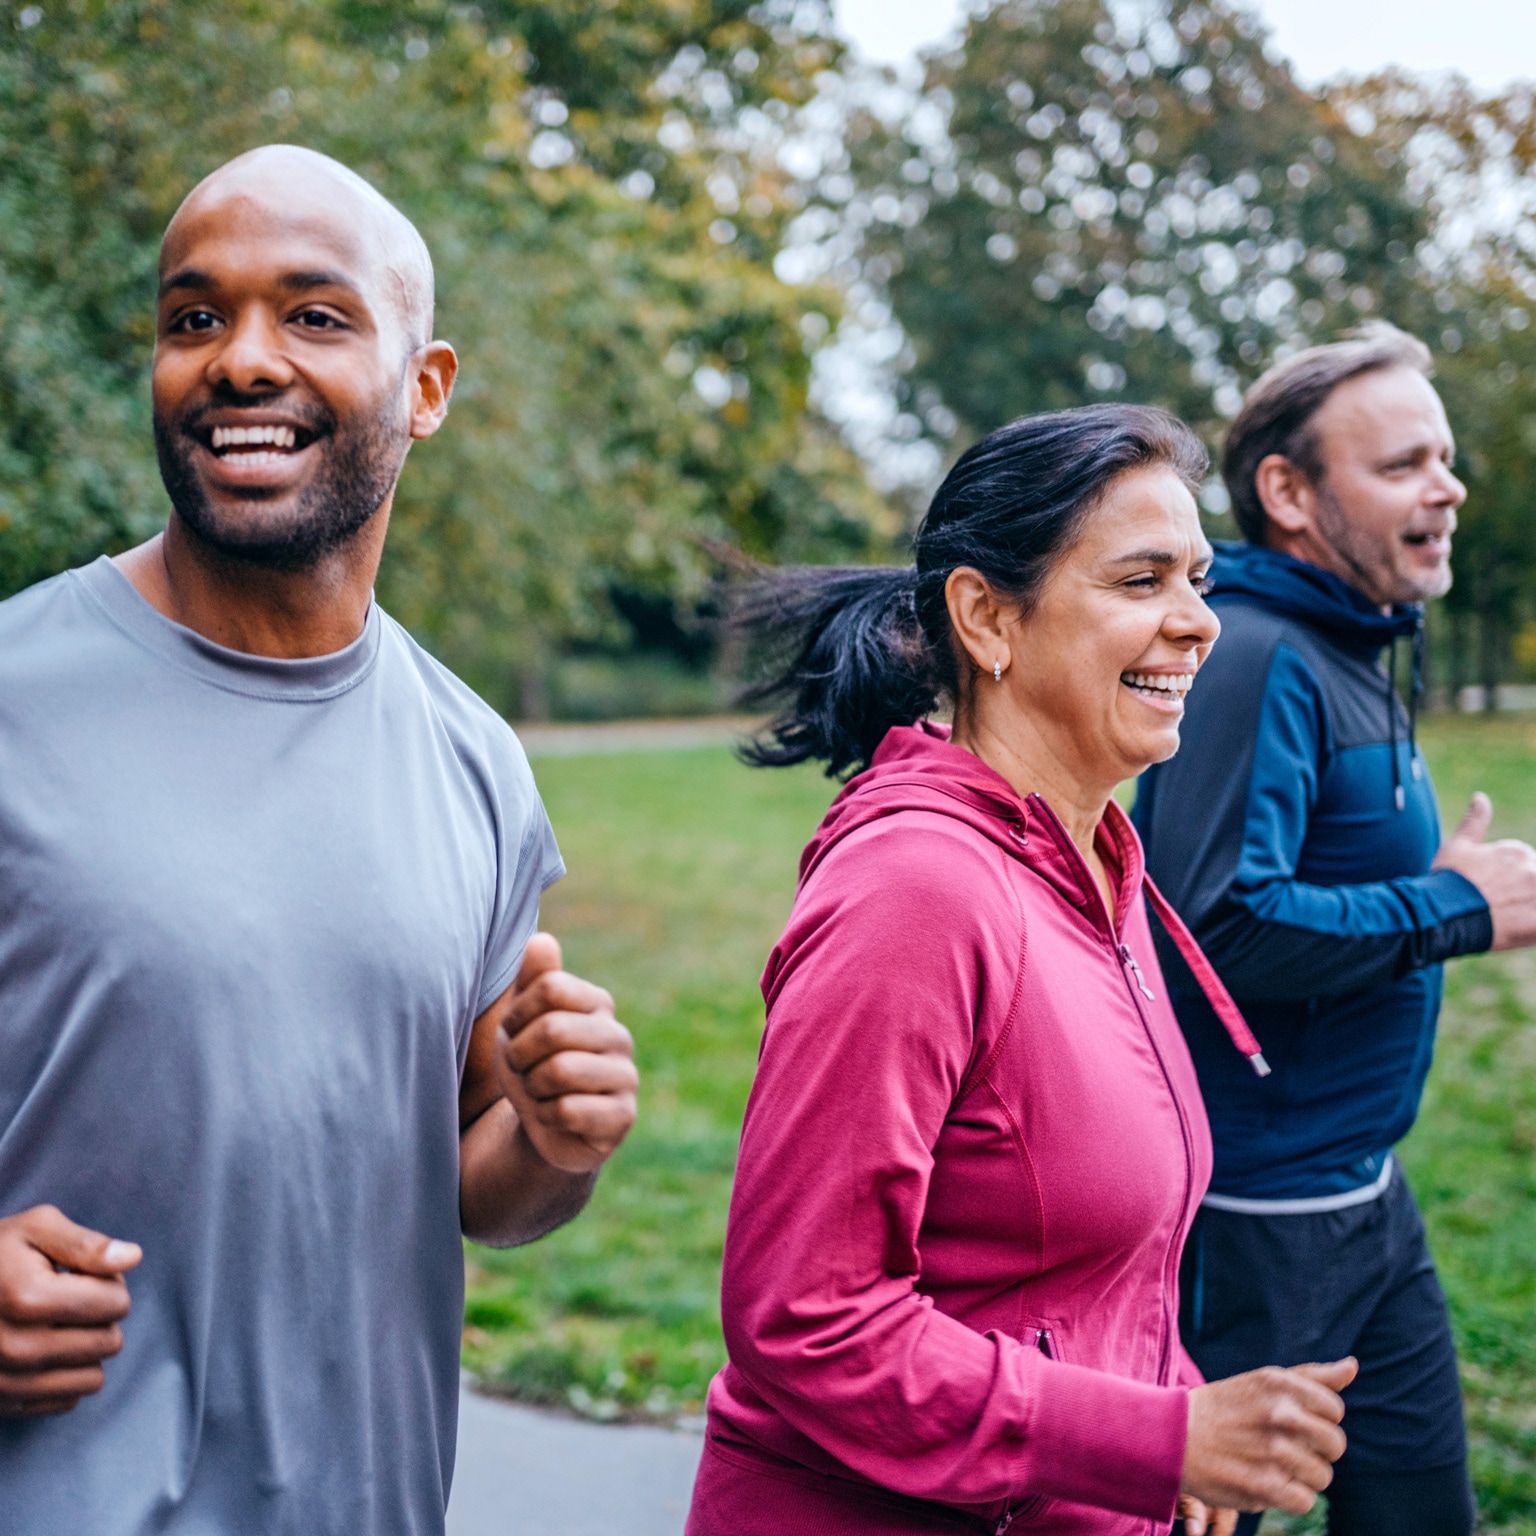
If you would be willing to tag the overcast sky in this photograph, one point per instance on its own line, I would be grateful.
(1490, 41)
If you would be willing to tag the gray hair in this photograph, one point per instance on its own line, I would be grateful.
(1278, 411)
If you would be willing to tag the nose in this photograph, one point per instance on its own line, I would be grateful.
(1447, 490)
(251, 361)
(1191, 623)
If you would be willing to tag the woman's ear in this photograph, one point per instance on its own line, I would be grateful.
(979, 618)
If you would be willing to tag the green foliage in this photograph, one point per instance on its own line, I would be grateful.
(1094, 201)
(1473, 167)
(1089, 201)
(682, 871)
(599, 189)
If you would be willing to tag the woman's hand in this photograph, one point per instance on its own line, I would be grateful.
(1201, 1520)
(1265, 1440)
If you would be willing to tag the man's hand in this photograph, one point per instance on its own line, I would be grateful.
(565, 1064)
(62, 1296)
(1505, 873)
(1266, 1439)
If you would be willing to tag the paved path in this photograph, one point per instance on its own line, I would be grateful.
(525, 1473)
(634, 735)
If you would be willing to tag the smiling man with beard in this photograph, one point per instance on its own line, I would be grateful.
(274, 1030)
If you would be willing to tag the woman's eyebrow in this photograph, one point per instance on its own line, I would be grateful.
(1147, 557)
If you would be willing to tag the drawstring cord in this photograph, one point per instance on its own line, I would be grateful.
(1415, 693)
(1206, 978)
(1399, 799)
(1415, 690)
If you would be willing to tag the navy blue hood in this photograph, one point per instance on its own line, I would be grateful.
(1296, 590)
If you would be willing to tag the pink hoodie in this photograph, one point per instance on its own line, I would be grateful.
(972, 1152)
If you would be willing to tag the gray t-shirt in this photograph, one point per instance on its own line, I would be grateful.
(249, 910)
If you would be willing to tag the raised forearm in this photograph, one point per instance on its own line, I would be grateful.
(1290, 939)
(508, 1194)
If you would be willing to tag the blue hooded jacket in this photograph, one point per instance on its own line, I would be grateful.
(1294, 832)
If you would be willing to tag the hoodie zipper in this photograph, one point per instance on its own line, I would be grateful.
(1135, 983)
(1043, 1342)
(1130, 969)
(1127, 958)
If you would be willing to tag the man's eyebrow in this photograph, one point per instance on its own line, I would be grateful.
(301, 282)
(188, 278)
(1420, 448)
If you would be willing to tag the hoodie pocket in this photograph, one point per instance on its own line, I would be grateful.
(1043, 1334)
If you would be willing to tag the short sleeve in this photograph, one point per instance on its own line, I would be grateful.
(528, 862)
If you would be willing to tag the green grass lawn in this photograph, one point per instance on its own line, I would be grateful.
(682, 869)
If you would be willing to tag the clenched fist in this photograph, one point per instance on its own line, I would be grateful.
(62, 1298)
(1264, 1440)
(565, 1064)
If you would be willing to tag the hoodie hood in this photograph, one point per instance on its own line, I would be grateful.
(1292, 588)
(1295, 590)
(916, 768)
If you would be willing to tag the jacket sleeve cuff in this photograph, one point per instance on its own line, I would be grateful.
(1108, 1442)
(1467, 927)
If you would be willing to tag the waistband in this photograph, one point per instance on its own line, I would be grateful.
(1310, 1206)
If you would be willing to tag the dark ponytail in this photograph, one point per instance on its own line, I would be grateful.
(859, 649)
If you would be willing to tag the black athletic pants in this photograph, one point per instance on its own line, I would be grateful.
(1281, 1290)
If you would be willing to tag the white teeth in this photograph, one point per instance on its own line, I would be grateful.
(234, 437)
(1177, 683)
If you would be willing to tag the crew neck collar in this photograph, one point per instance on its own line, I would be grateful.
(307, 679)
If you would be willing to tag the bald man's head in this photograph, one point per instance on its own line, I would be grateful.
(294, 184)
(294, 364)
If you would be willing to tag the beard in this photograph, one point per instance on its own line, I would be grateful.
(1372, 558)
(360, 461)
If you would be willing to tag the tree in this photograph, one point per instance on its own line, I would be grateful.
(1092, 202)
(599, 188)
(1470, 162)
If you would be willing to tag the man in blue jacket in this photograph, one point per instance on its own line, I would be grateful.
(1296, 832)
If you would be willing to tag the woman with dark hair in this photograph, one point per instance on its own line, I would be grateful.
(975, 1141)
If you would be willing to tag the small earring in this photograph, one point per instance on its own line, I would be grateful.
(997, 671)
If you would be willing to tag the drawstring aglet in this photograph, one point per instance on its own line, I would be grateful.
(1260, 1066)
(1400, 797)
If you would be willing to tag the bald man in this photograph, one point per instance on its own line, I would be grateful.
(273, 1031)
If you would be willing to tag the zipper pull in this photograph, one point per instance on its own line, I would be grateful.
(1003, 1524)
(1141, 981)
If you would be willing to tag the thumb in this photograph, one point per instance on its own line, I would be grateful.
(541, 955)
(70, 1246)
(1473, 827)
(1335, 1375)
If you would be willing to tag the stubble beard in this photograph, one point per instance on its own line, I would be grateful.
(359, 464)
(1372, 562)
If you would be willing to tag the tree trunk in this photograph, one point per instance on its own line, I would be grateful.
(533, 691)
(1458, 656)
(1488, 658)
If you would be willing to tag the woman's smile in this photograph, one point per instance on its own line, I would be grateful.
(1164, 691)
